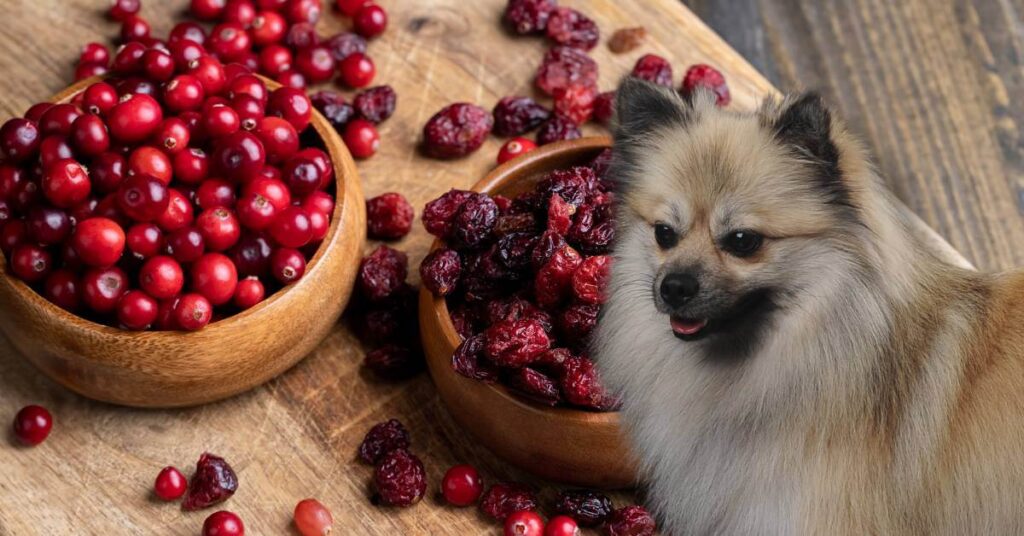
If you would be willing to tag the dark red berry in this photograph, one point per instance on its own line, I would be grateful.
(345, 44)
(400, 479)
(575, 102)
(48, 226)
(562, 66)
(569, 27)
(239, 155)
(469, 360)
(19, 140)
(394, 362)
(370, 21)
(589, 508)
(191, 313)
(214, 276)
(302, 11)
(145, 240)
(143, 198)
(99, 98)
(457, 130)
(604, 107)
(516, 343)
(441, 271)
(94, 54)
(439, 213)
(706, 76)
(631, 521)
(461, 485)
(134, 28)
(535, 385)
(301, 35)
(152, 162)
(581, 384)
(103, 288)
(213, 193)
(590, 279)
(389, 216)
(292, 228)
(31, 263)
(136, 310)
(653, 68)
(98, 241)
(333, 107)
(213, 482)
(170, 484)
(219, 227)
(382, 273)
(357, 70)
(376, 104)
(135, 118)
(529, 16)
(506, 498)
(184, 92)
(558, 128)
(287, 265)
(32, 425)
(158, 65)
(514, 116)
(62, 289)
(361, 138)
(229, 41)
(474, 220)
(122, 9)
(315, 63)
(189, 30)
(223, 523)
(268, 27)
(248, 293)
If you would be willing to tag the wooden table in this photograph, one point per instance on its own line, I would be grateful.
(296, 436)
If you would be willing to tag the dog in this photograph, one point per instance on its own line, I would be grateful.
(791, 359)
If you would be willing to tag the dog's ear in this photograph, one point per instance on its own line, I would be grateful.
(642, 107)
(804, 124)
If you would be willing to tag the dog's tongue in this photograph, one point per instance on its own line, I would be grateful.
(687, 327)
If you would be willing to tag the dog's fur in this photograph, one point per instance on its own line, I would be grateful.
(852, 383)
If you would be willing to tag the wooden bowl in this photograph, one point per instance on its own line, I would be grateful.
(577, 447)
(171, 369)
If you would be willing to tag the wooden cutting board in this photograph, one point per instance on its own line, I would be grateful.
(296, 436)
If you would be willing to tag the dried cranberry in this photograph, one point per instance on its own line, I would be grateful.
(580, 383)
(577, 321)
(439, 213)
(559, 214)
(345, 44)
(382, 439)
(389, 216)
(516, 343)
(382, 273)
(569, 27)
(589, 508)
(457, 130)
(528, 16)
(604, 107)
(601, 163)
(469, 361)
(474, 220)
(535, 385)
(702, 75)
(376, 104)
(514, 116)
(631, 521)
(626, 39)
(462, 319)
(334, 107)
(553, 359)
(562, 66)
(213, 483)
(400, 479)
(591, 278)
(554, 278)
(558, 128)
(653, 68)
(394, 362)
(506, 498)
(576, 102)
(440, 271)
(523, 222)
(546, 246)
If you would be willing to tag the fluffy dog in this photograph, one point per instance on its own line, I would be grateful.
(791, 360)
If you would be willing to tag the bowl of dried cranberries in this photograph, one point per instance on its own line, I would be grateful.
(172, 242)
(511, 290)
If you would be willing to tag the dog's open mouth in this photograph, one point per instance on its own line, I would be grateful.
(688, 329)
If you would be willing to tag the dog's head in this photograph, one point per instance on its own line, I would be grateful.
(729, 216)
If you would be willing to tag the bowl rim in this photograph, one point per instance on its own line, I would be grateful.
(339, 155)
(497, 176)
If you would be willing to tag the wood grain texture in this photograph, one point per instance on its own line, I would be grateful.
(934, 87)
(296, 436)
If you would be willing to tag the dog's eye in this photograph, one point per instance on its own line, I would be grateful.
(742, 243)
(665, 235)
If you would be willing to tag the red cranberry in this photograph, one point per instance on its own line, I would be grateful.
(292, 105)
(209, 71)
(94, 53)
(313, 518)
(223, 523)
(19, 140)
(569, 27)
(32, 425)
(357, 70)
(273, 189)
(173, 135)
(239, 155)
(706, 76)
(383, 438)
(239, 11)
(193, 312)
(654, 69)
(187, 30)
(456, 130)
(461, 485)
(268, 27)
(134, 28)
(31, 263)
(291, 78)
(292, 228)
(524, 523)
(301, 35)
(376, 104)
(561, 526)
(604, 107)
(319, 202)
(252, 255)
(320, 225)
(161, 277)
(150, 161)
(184, 92)
(191, 166)
(185, 245)
(89, 135)
(98, 241)
(89, 70)
(99, 98)
(562, 66)
(248, 84)
(57, 120)
(441, 271)
(170, 484)
(287, 265)
(370, 21)
(249, 111)
(275, 59)
(248, 293)
(575, 102)
(400, 479)
(220, 120)
(279, 138)
(361, 138)
(122, 9)
(12, 234)
(52, 150)
(315, 63)
(66, 183)
(214, 276)
(143, 198)
(10, 178)
(36, 111)
(229, 41)
(219, 228)
(61, 288)
(158, 65)
(389, 216)
(134, 118)
(506, 498)
(350, 7)
(103, 287)
(145, 240)
(48, 226)
(344, 44)
(128, 59)
(631, 521)
(298, 11)
(514, 148)
(136, 310)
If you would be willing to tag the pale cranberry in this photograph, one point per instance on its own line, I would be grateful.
(313, 519)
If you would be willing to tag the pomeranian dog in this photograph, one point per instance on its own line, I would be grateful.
(791, 359)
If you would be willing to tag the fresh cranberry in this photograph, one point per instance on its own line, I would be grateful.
(193, 312)
(506, 498)
(248, 84)
(456, 130)
(161, 277)
(99, 98)
(122, 9)
(147, 160)
(128, 59)
(312, 518)
(184, 92)
(291, 78)
(136, 310)
(287, 265)
(89, 70)
(301, 35)
(279, 138)
(57, 120)
(229, 41)
(249, 110)
(220, 120)
(187, 30)
(19, 140)
(61, 288)
(361, 138)
(102, 288)
(31, 263)
(631, 521)
(158, 65)
(209, 71)
(256, 212)
(706, 76)
(561, 526)
(239, 11)
(275, 59)
(191, 166)
(319, 202)
(94, 53)
(213, 275)
(514, 148)
(461, 485)
(292, 105)
(170, 484)
(52, 150)
(173, 135)
(223, 523)
(248, 293)
(239, 155)
(10, 178)
(350, 7)
(302, 11)
(185, 52)
(98, 241)
(32, 425)
(48, 226)
(357, 70)
(292, 228)
(274, 190)
(400, 479)
(145, 240)
(315, 63)
(134, 118)
(36, 111)
(134, 28)
(370, 21)
(219, 227)
(267, 28)
(524, 523)
(66, 183)
(143, 198)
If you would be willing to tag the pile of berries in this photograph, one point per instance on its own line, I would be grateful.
(524, 279)
(213, 483)
(164, 196)
(399, 478)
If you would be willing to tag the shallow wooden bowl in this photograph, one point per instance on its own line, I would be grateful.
(171, 369)
(567, 445)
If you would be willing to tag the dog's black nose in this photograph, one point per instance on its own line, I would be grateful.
(677, 289)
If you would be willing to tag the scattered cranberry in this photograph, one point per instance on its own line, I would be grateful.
(170, 484)
(514, 148)
(370, 20)
(524, 523)
(441, 271)
(214, 481)
(461, 485)
(393, 362)
(569, 27)
(376, 104)
(357, 70)
(586, 507)
(562, 66)
(706, 76)
(389, 216)
(350, 7)
(223, 523)
(361, 138)
(561, 526)
(631, 521)
(345, 44)
(32, 425)
(529, 16)
(94, 53)
(653, 68)
(514, 116)
(382, 273)
(604, 107)
(122, 9)
(457, 130)
(558, 128)
(400, 479)
(506, 498)
(312, 518)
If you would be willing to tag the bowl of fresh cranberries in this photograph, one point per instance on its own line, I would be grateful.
(511, 291)
(172, 242)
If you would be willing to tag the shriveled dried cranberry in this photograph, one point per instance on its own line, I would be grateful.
(506, 498)
(382, 439)
(562, 66)
(701, 75)
(334, 107)
(589, 508)
(516, 343)
(522, 222)
(559, 214)
(213, 483)
(591, 278)
(382, 273)
(474, 220)
(631, 521)
(439, 213)
(576, 102)
(400, 479)
(394, 362)
(558, 128)
(555, 277)
(604, 107)
(514, 116)
(581, 384)
(469, 360)
(547, 245)
(376, 104)
(553, 359)
(389, 216)
(535, 385)
(626, 39)
(457, 130)
(577, 321)
(653, 68)
(345, 44)
(569, 27)
(441, 270)
(463, 320)
(528, 16)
